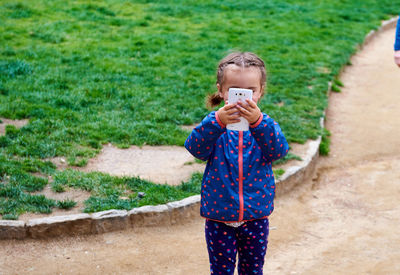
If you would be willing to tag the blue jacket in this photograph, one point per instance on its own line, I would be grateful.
(397, 41)
(238, 183)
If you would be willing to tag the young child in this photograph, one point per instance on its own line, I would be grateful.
(238, 185)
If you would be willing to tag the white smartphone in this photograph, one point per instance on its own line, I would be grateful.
(234, 95)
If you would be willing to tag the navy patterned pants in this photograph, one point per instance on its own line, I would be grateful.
(223, 243)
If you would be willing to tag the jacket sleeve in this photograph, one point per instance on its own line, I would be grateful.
(201, 141)
(397, 38)
(270, 138)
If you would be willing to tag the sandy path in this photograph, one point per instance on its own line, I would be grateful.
(344, 221)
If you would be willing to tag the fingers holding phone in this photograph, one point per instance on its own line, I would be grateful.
(249, 110)
(229, 114)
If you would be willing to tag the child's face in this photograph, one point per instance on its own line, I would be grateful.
(238, 77)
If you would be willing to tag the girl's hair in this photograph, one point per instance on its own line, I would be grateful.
(241, 59)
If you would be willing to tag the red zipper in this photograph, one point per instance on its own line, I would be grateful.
(240, 159)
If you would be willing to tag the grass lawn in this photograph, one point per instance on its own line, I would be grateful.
(86, 73)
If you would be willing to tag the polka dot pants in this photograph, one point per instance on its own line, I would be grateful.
(223, 243)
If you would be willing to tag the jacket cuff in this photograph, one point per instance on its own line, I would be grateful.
(219, 121)
(255, 124)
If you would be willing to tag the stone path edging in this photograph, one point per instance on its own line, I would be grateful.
(166, 214)
(101, 222)
(295, 175)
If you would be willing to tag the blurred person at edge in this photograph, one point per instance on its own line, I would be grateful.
(397, 45)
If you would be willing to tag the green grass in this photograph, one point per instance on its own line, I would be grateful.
(66, 204)
(324, 146)
(86, 73)
(336, 84)
(278, 173)
(108, 192)
(154, 194)
(286, 158)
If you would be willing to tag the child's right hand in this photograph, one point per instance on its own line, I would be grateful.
(229, 114)
(397, 58)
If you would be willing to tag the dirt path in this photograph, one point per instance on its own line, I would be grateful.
(347, 219)
(344, 221)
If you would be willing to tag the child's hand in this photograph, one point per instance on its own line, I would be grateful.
(397, 58)
(249, 111)
(228, 114)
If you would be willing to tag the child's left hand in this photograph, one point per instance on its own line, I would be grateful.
(249, 111)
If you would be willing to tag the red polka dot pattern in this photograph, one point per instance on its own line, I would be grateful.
(238, 182)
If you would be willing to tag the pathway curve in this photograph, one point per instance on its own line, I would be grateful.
(345, 220)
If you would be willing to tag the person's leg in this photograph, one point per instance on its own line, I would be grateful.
(252, 245)
(222, 247)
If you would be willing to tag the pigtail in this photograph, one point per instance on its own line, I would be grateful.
(213, 100)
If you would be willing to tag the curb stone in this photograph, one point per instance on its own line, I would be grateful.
(149, 215)
(109, 220)
(12, 229)
(166, 214)
(295, 175)
(185, 209)
(59, 225)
